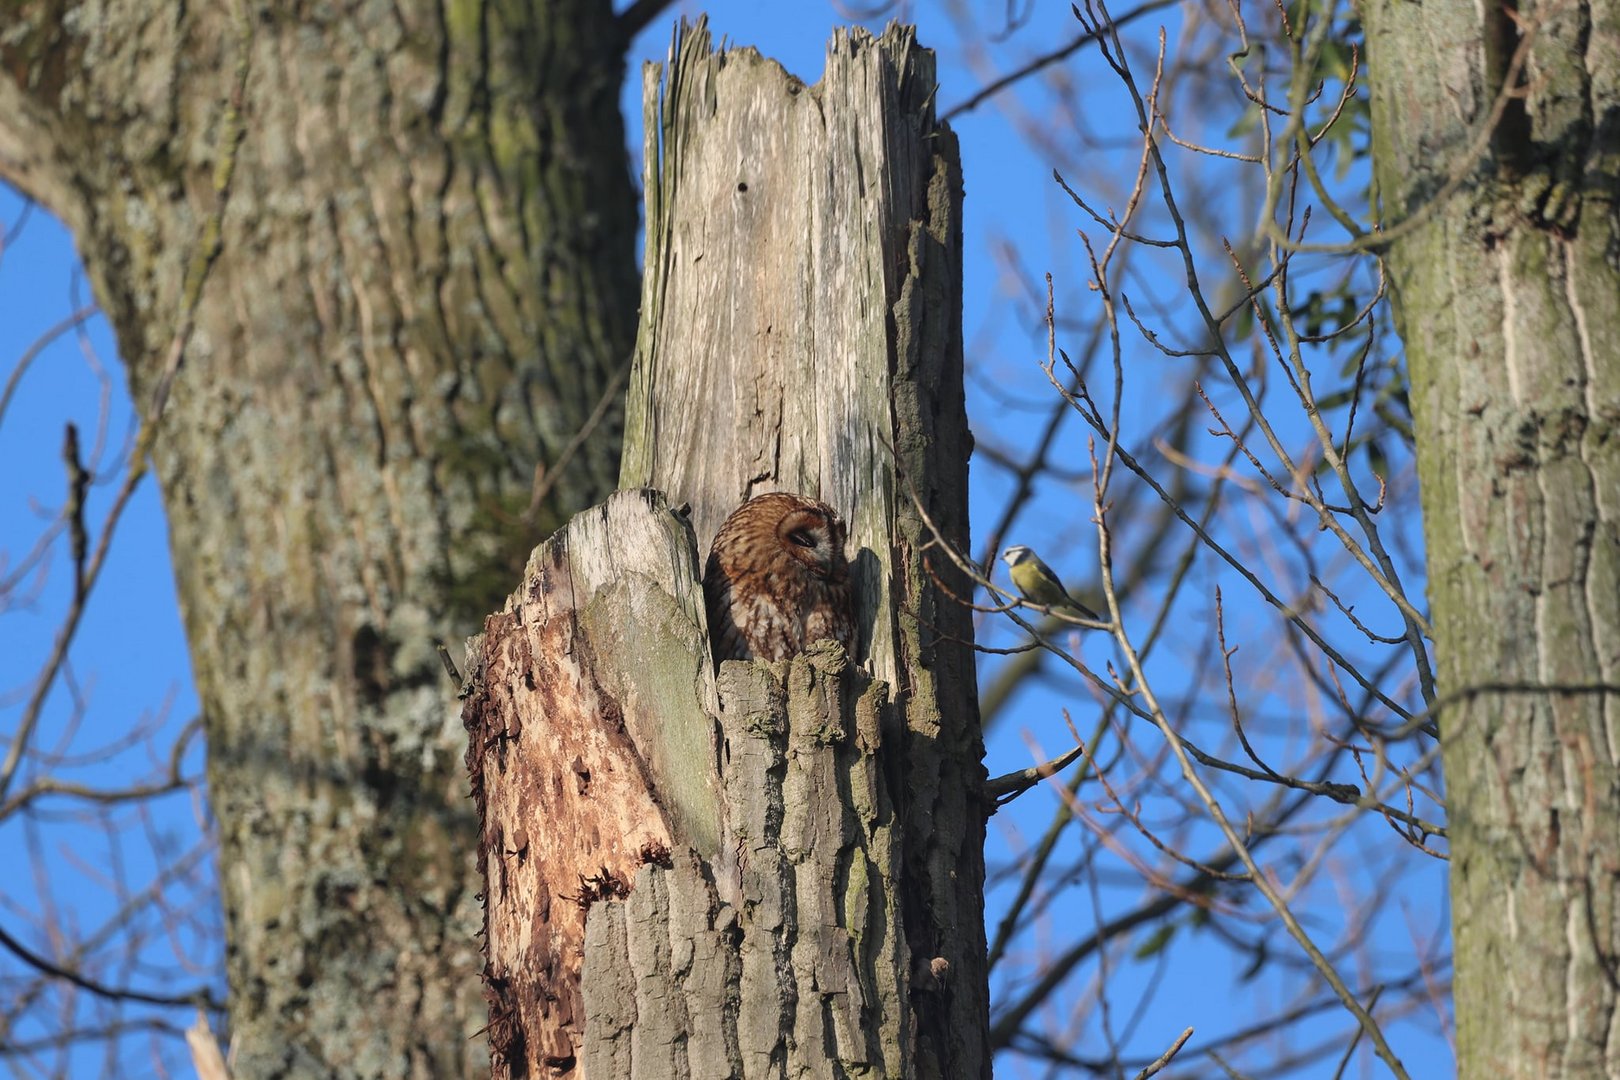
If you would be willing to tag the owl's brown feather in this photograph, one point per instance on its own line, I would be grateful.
(777, 579)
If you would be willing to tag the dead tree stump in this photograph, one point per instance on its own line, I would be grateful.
(779, 871)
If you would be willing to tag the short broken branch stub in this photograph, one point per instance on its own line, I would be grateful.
(575, 718)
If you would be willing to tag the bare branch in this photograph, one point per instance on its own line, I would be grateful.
(201, 996)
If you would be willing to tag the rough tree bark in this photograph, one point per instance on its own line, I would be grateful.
(1506, 290)
(779, 871)
(426, 286)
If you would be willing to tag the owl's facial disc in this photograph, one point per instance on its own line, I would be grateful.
(814, 541)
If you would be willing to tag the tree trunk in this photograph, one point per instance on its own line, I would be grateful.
(803, 269)
(778, 872)
(1507, 291)
(425, 288)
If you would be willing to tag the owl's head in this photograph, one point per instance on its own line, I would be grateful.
(812, 535)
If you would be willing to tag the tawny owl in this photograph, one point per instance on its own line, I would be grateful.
(777, 579)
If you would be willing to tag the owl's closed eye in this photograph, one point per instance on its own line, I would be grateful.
(777, 579)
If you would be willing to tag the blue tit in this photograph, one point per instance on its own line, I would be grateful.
(1037, 582)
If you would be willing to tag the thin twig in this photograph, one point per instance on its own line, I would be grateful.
(545, 479)
(200, 996)
(1046, 60)
(635, 18)
(1164, 1059)
(32, 352)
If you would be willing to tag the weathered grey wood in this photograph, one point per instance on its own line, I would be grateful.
(778, 222)
(802, 977)
(800, 330)
(1506, 297)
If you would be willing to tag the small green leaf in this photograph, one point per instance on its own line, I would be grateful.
(1247, 122)
(1155, 942)
(1376, 461)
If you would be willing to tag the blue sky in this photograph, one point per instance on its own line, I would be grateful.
(130, 663)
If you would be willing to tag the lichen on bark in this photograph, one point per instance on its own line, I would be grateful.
(1504, 295)
(409, 312)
